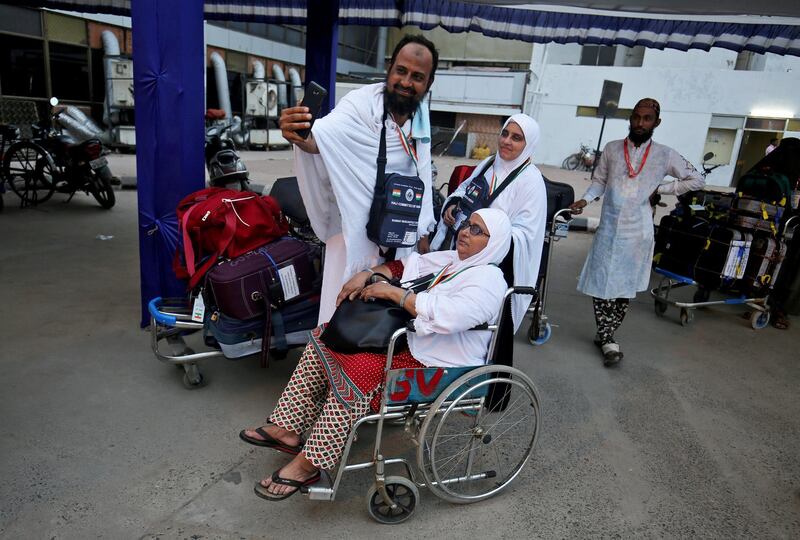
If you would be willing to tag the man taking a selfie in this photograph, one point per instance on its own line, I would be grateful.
(336, 165)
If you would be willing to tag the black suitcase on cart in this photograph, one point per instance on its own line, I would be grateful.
(679, 242)
(720, 248)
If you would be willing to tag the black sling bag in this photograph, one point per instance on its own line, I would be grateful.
(396, 205)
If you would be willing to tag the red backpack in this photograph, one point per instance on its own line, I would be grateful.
(218, 222)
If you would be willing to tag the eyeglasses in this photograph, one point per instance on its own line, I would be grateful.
(474, 230)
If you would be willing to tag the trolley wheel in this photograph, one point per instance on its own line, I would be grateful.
(468, 452)
(701, 295)
(687, 316)
(660, 306)
(192, 378)
(534, 335)
(402, 491)
(29, 172)
(759, 320)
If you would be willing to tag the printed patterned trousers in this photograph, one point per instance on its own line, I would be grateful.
(609, 315)
(308, 403)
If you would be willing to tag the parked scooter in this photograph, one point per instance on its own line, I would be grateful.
(225, 167)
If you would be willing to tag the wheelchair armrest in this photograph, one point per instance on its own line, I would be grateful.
(410, 326)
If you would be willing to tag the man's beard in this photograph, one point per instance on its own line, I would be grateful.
(639, 138)
(401, 105)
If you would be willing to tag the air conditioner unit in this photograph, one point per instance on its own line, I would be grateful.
(120, 71)
(262, 99)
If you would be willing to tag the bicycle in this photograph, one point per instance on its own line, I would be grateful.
(583, 159)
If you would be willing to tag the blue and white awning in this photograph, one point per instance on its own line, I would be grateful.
(540, 25)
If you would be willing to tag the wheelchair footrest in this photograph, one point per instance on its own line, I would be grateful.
(321, 490)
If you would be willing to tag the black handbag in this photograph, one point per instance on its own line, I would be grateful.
(359, 326)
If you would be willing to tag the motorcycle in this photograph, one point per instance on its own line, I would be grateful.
(67, 157)
(225, 167)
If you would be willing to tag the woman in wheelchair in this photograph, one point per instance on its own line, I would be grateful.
(329, 391)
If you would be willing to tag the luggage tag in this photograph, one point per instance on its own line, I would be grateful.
(697, 207)
(289, 283)
(199, 308)
(562, 230)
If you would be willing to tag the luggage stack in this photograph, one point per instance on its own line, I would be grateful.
(254, 292)
(731, 242)
(272, 291)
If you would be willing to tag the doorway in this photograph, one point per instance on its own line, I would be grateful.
(752, 150)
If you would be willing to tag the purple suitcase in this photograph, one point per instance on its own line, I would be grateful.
(282, 271)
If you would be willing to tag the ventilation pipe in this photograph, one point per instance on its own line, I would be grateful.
(277, 72)
(258, 70)
(110, 48)
(221, 77)
(297, 84)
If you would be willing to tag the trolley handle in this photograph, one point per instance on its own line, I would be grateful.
(161, 318)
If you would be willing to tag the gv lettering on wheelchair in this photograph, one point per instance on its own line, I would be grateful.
(416, 384)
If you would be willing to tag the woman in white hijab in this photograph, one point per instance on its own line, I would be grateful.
(329, 391)
(508, 181)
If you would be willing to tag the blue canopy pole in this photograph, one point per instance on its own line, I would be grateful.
(169, 54)
(322, 40)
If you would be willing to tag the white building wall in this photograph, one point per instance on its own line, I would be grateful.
(691, 87)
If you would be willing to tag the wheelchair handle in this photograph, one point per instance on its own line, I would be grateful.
(525, 290)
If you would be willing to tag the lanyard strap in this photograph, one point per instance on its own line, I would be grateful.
(516, 172)
(442, 278)
(408, 145)
(631, 172)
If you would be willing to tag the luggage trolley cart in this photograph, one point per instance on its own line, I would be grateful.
(466, 450)
(759, 318)
(540, 330)
(171, 321)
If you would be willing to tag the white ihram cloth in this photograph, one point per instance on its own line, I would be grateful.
(337, 184)
(525, 203)
(447, 312)
(619, 261)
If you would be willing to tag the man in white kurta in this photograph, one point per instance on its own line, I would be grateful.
(336, 167)
(629, 172)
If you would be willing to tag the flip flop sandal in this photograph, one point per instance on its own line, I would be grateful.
(270, 442)
(263, 492)
(611, 354)
(780, 320)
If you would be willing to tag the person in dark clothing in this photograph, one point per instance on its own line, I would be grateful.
(785, 296)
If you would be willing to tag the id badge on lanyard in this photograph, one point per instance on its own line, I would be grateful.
(474, 198)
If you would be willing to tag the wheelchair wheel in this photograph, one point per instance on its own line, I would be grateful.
(469, 452)
(402, 491)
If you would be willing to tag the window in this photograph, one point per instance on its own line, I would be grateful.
(765, 124)
(598, 55)
(21, 67)
(69, 71)
(621, 114)
(20, 20)
(720, 143)
(358, 44)
(793, 124)
(750, 61)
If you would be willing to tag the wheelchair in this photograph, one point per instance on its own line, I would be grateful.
(474, 429)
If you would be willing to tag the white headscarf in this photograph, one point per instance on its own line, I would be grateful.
(499, 228)
(530, 128)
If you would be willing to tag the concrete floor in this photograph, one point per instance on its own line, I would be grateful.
(697, 434)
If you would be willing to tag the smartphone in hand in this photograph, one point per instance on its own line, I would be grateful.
(313, 99)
